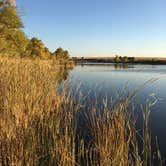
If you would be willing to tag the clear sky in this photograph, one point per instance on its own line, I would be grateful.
(98, 27)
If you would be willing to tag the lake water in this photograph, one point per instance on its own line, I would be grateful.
(107, 79)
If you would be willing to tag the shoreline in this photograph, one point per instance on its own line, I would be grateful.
(135, 60)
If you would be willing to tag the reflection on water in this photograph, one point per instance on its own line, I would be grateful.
(107, 79)
(63, 73)
(115, 65)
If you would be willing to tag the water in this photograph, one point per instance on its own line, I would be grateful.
(107, 79)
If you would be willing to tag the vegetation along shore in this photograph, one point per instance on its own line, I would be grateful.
(121, 59)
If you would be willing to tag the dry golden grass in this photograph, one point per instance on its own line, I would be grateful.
(38, 125)
(33, 126)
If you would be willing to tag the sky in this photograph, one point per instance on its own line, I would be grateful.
(98, 27)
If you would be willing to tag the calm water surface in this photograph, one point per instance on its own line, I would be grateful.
(106, 79)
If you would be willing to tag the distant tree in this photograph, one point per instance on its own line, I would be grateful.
(124, 59)
(131, 59)
(116, 59)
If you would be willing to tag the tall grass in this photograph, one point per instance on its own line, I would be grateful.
(39, 125)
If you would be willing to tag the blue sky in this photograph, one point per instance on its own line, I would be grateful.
(98, 27)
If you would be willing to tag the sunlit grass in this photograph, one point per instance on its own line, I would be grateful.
(38, 125)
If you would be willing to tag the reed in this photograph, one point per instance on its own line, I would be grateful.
(39, 123)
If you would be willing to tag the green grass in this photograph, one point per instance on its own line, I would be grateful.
(38, 125)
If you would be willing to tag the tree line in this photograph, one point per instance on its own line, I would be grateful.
(15, 43)
(119, 59)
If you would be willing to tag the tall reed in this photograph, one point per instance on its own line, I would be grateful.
(39, 124)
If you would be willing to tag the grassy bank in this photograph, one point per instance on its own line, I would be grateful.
(39, 125)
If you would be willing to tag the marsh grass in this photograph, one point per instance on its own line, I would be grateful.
(39, 124)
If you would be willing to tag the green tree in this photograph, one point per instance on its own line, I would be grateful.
(66, 54)
(36, 49)
(61, 54)
(13, 41)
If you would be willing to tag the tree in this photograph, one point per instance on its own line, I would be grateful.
(124, 59)
(36, 49)
(66, 54)
(116, 59)
(9, 18)
(13, 41)
(61, 54)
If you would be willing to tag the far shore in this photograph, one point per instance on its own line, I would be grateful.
(133, 60)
